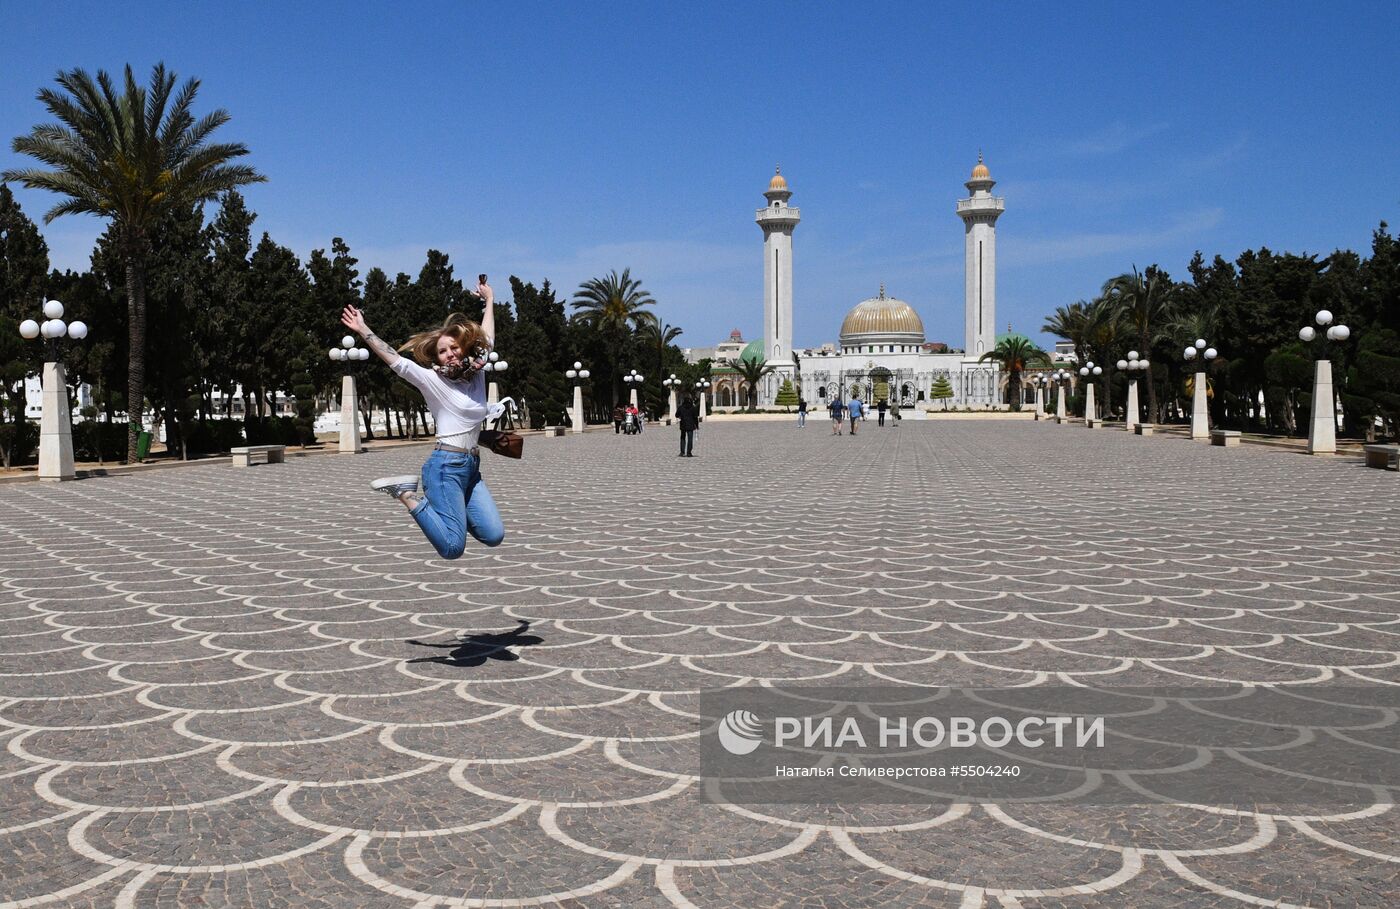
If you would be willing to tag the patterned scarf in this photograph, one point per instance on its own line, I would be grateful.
(462, 370)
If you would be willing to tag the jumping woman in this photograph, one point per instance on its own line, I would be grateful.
(448, 371)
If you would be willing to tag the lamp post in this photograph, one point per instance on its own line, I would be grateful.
(1061, 379)
(634, 382)
(577, 373)
(1322, 429)
(1132, 416)
(1202, 354)
(701, 388)
(673, 385)
(56, 422)
(1091, 416)
(493, 365)
(1038, 383)
(348, 353)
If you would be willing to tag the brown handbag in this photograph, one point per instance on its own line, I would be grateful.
(507, 444)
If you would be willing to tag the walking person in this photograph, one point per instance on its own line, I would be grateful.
(882, 407)
(894, 413)
(856, 410)
(801, 413)
(455, 501)
(837, 414)
(617, 415)
(688, 417)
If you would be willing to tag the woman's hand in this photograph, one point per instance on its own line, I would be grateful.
(354, 320)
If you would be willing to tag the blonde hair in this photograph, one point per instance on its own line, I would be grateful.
(468, 335)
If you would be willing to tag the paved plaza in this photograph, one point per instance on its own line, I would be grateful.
(260, 687)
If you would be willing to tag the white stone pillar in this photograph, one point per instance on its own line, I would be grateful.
(1200, 409)
(703, 412)
(633, 396)
(349, 417)
(55, 427)
(493, 393)
(1091, 412)
(1039, 403)
(578, 408)
(671, 405)
(1133, 415)
(1060, 403)
(1322, 434)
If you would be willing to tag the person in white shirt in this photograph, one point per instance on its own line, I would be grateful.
(448, 372)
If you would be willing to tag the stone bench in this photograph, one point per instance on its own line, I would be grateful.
(1227, 438)
(553, 431)
(271, 454)
(1386, 457)
(1093, 422)
(1143, 429)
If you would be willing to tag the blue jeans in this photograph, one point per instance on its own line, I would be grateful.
(802, 418)
(455, 503)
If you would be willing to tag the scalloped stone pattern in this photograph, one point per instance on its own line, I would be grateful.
(260, 687)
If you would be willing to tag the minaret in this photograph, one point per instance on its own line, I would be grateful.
(979, 214)
(777, 221)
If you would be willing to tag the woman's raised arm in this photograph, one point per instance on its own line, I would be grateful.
(354, 320)
(488, 310)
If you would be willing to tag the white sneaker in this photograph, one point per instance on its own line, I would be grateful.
(395, 486)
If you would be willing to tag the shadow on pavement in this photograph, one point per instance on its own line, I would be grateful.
(476, 649)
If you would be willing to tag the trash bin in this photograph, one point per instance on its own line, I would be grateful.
(143, 445)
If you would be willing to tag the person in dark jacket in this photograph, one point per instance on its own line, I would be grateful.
(882, 407)
(617, 415)
(688, 416)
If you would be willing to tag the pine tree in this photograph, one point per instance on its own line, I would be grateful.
(942, 390)
(787, 395)
(24, 265)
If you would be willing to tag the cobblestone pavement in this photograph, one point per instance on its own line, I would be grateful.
(260, 687)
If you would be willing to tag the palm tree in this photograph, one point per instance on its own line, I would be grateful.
(751, 371)
(1068, 322)
(1014, 353)
(612, 306)
(657, 335)
(131, 158)
(1103, 331)
(1145, 300)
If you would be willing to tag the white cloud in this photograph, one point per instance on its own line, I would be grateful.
(1111, 139)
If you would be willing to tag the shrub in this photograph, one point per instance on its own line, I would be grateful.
(271, 431)
(19, 442)
(90, 433)
(212, 436)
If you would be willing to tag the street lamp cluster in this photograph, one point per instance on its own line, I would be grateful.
(1060, 378)
(1133, 364)
(1322, 432)
(55, 422)
(53, 327)
(347, 351)
(1091, 412)
(576, 373)
(1201, 353)
(633, 380)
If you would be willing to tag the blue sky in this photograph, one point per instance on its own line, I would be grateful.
(564, 140)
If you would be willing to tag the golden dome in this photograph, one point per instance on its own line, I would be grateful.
(882, 315)
(980, 172)
(777, 184)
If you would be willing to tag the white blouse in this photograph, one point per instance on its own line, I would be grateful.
(458, 408)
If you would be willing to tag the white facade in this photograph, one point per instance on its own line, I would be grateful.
(882, 345)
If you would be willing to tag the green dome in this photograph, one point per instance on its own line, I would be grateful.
(1015, 334)
(753, 352)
